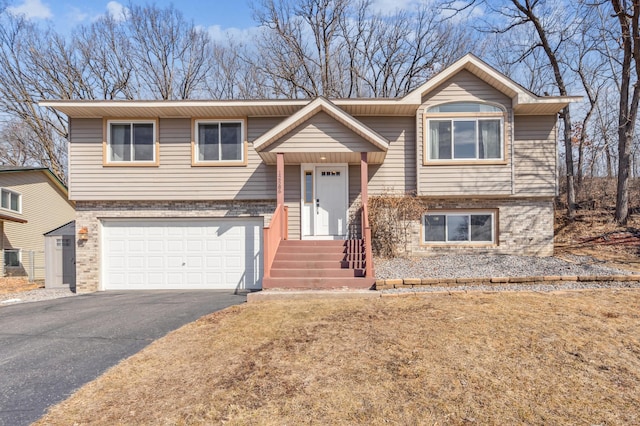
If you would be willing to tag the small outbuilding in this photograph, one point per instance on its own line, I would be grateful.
(60, 257)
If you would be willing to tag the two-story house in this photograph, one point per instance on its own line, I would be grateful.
(33, 201)
(175, 194)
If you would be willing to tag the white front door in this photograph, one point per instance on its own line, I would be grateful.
(325, 201)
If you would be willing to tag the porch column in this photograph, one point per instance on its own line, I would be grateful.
(364, 178)
(279, 179)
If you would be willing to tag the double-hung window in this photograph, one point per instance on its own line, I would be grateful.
(459, 227)
(219, 142)
(131, 142)
(464, 131)
(11, 200)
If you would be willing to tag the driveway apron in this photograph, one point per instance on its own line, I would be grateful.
(51, 348)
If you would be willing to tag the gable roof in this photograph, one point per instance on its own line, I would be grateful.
(311, 109)
(523, 101)
(52, 177)
(68, 228)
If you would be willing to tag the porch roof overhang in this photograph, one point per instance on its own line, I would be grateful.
(295, 158)
(325, 149)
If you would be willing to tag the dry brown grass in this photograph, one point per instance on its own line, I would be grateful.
(483, 358)
(579, 237)
(16, 285)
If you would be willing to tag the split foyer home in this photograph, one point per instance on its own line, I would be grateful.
(250, 194)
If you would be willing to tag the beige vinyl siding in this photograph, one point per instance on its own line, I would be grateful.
(465, 86)
(44, 207)
(292, 199)
(175, 178)
(471, 179)
(321, 133)
(398, 172)
(535, 155)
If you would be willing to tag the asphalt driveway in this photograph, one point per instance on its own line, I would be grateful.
(49, 349)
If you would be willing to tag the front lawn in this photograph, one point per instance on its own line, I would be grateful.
(16, 285)
(475, 358)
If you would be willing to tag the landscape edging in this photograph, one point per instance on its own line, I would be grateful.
(386, 284)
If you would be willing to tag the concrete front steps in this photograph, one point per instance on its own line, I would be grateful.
(316, 265)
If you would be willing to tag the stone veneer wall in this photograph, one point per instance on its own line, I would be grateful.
(89, 214)
(525, 227)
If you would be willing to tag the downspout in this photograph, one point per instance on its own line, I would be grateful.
(512, 126)
(419, 141)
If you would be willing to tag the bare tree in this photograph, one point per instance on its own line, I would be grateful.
(104, 49)
(24, 50)
(342, 48)
(627, 14)
(171, 55)
(586, 62)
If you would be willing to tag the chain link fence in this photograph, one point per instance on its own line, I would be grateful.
(31, 265)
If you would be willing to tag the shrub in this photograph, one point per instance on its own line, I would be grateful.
(390, 219)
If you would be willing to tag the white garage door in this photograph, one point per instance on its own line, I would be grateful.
(182, 254)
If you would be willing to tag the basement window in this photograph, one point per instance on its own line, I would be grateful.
(459, 227)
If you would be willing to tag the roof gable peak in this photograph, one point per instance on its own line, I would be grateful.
(320, 104)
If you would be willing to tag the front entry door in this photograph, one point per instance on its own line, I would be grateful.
(326, 216)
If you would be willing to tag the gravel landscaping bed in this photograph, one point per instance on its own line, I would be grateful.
(481, 266)
(34, 296)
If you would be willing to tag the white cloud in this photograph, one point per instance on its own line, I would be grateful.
(77, 15)
(116, 10)
(219, 34)
(388, 7)
(32, 9)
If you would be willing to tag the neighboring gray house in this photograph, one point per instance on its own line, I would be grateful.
(33, 202)
(175, 194)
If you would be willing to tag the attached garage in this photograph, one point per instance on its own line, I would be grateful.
(151, 254)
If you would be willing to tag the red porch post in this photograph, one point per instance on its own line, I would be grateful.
(364, 178)
(280, 179)
(366, 230)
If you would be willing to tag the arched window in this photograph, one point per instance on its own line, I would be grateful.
(463, 131)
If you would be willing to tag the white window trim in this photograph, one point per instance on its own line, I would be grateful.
(110, 151)
(471, 117)
(19, 257)
(196, 139)
(464, 116)
(469, 213)
(9, 209)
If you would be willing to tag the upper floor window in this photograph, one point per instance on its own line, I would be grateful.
(11, 200)
(465, 131)
(219, 141)
(131, 141)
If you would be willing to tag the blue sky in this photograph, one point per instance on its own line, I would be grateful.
(217, 15)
